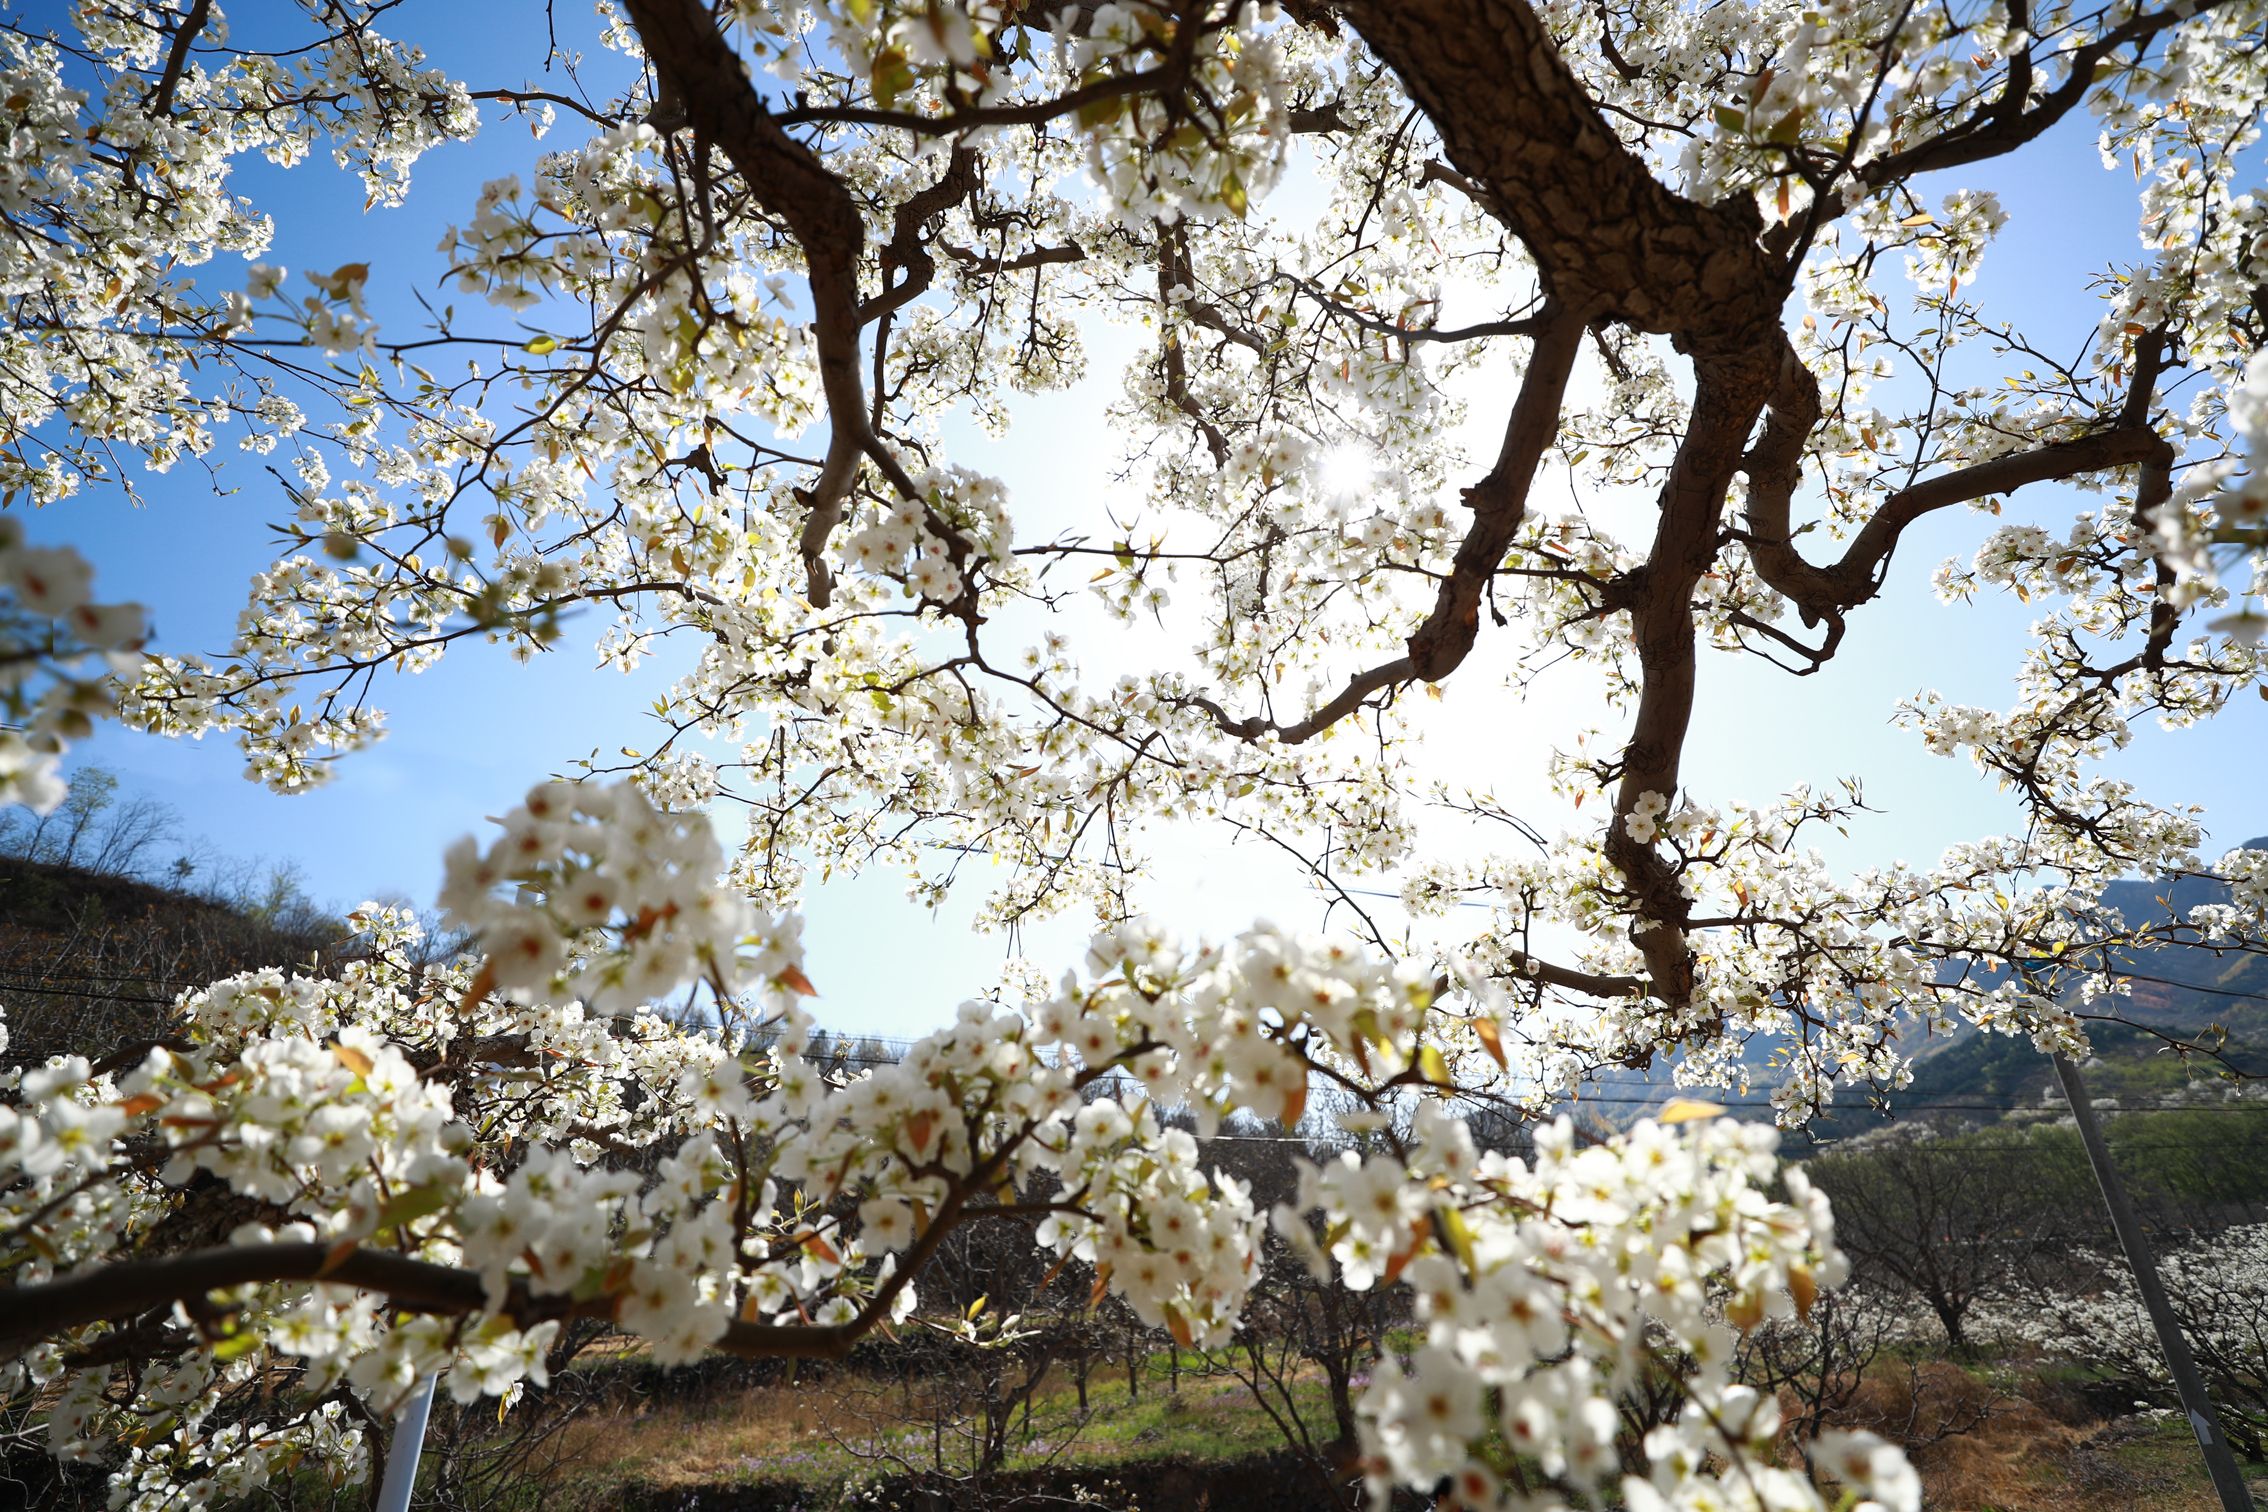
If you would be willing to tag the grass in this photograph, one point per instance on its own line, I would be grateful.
(2026, 1458)
(2024, 1464)
(839, 1428)
(830, 1432)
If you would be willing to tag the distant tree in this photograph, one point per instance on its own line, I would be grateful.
(1854, 1363)
(2193, 1171)
(1301, 1328)
(96, 828)
(1947, 1219)
(2219, 1291)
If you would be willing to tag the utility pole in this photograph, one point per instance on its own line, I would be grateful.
(2220, 1463)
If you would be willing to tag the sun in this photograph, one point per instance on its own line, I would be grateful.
(1346, 470)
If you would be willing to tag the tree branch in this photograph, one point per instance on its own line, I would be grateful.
(1532, 147)
(132, 1288)
(1774, 469)
(701, 76)
(177, 56)
(1499, 503)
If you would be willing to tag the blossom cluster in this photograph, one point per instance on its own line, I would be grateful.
(2218, 1288)
(59, 653)
(614, 903)
(1546, 1286)
(915, 541)
(1210, 152)
(2220, 520)
(130, 188)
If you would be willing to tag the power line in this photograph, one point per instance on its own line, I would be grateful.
(2227, 992)
(85, 997)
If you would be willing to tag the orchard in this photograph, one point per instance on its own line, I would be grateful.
(1709, 281)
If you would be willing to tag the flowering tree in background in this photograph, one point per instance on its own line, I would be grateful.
(710, 345)
(2219, 1290)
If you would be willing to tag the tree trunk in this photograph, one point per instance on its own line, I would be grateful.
(1948, 1315)
(1342, 1399)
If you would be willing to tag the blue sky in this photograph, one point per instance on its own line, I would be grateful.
(468, 737)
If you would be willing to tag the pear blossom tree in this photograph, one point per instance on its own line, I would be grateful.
(2219, 1288)
(722, 331)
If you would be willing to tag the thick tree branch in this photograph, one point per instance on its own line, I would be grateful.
(1609, 238)
(1528, 968)
(1038, 257)
(131, 1288)
(1499, 503)
(1534, 149)
(1774, 468)
(177, 56)
(905, 249)
(701, 76)
(1729, 396)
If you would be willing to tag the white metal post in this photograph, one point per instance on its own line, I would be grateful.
(2189, 1383)
(409, 1444)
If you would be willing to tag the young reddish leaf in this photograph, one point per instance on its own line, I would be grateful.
(1491, 1040)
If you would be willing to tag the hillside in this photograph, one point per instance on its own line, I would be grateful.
(2178, 993)
(91, 962)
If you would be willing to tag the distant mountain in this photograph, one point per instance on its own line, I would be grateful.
(2183, 992)
(2138, 900)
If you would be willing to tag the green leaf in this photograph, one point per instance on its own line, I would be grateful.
(1460, 1235)
(1233, 196)
(1101, 112)
(1732, 118)
(236, 1345)
(892, 76)
(409, 1206)
(542, 346)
